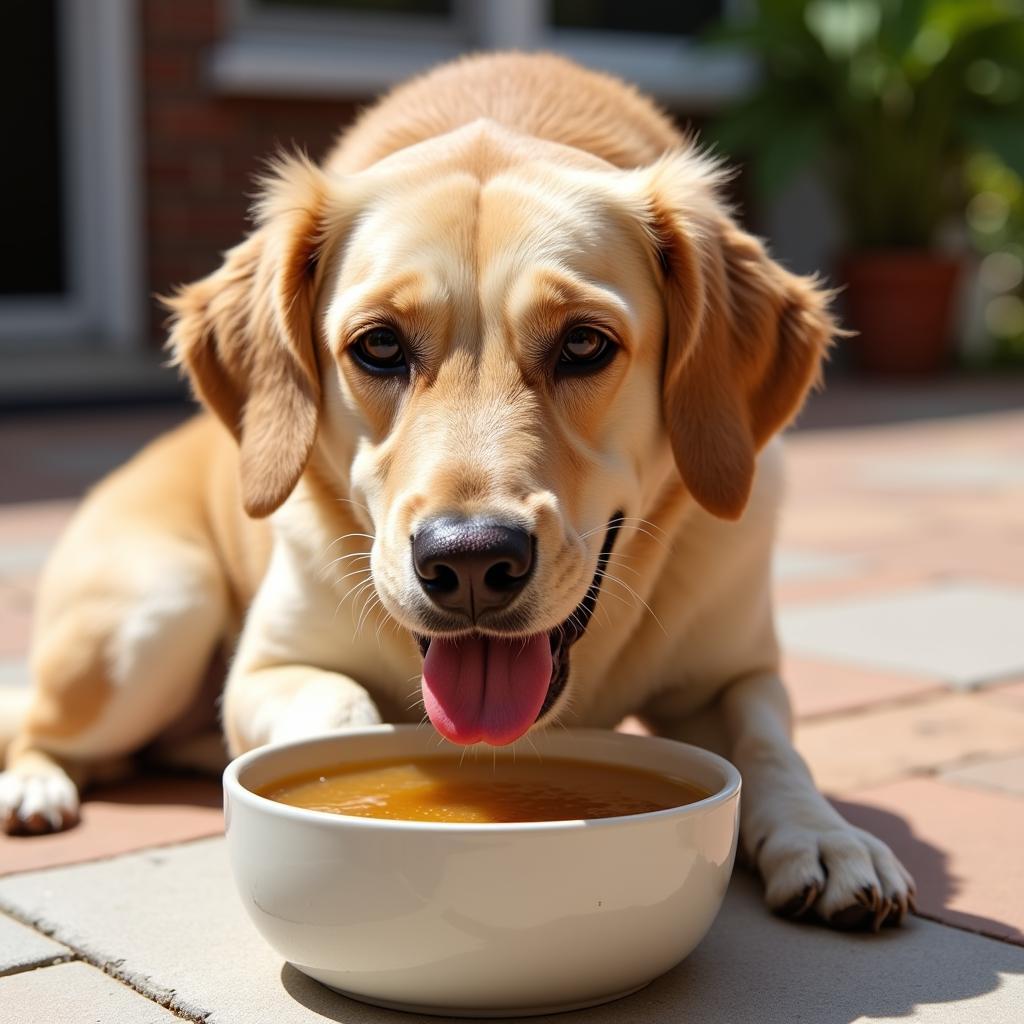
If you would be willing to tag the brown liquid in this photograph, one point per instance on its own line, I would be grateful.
(441, 789)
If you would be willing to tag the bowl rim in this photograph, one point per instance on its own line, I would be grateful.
(234, 789)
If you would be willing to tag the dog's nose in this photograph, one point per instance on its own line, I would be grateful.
(471, 565)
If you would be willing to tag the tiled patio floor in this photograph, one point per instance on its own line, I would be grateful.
(901, 586)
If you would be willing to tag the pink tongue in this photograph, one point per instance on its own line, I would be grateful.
(486, 688)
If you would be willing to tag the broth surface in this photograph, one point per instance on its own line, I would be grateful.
(441, 789)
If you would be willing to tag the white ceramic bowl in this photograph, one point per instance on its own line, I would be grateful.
(482, 920)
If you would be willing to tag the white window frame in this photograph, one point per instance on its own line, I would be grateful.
(332, 54)
(103, 305)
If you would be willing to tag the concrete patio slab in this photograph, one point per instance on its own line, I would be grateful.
(880, 745)
(804, 563)
(28, 523)
(844, 523)
(23, 948)
(1004, 774)
(1011, 691)
(962, 845)
(15, 623)
(14, 672)
(965, 633)
(957, 471)
(130, 816)
(819, 688)
(22, 558)
(205, 960)
(76, 994)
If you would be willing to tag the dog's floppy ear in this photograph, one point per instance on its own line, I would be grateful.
(245, 335)
(744, 337)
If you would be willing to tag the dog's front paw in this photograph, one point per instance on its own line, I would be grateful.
(32, 803)
(840, 874)
(323, 705)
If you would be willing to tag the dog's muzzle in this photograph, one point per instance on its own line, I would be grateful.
(485, 687)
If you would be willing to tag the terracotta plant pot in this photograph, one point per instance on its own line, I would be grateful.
(901, 304)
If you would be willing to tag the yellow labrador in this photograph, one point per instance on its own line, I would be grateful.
(504, 373)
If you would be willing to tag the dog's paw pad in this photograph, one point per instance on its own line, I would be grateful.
(36, 803)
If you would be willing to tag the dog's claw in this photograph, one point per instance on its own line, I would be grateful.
(869, 896)
(801, 903)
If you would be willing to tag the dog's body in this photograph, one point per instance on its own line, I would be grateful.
(477, 204)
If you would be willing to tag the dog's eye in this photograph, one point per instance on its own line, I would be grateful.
(585, 349)
(379, 350)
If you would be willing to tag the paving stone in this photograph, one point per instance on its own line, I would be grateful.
(15, 626)
(819, 688)
(1005, 774)
(844, 524)
(967, 470)
(885, 577)
(75, 994)
(130, 816)
(31, 523)
(962, 845)
(803, 563)
(23, 557)
(965, 633)
(22, 948)
(14, 672)
(884, 744)
(206, 961)
(1010, 691)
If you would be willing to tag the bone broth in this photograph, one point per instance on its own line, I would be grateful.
(443, 789)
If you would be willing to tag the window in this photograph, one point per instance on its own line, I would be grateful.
(375, 6)
(32, 206)
(70, 259)
(359, 47)
(653, 16)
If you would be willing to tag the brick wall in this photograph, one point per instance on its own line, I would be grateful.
(201, 149)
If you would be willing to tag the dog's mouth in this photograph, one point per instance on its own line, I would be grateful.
(482, 687)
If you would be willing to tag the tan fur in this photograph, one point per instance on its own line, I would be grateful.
(483, 210)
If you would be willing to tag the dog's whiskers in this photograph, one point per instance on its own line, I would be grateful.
(358, 504)
(354, 572)
(354, 593)
(635, 524)
(622, 583)
(368, 607)
(613, 560)
(342, 558)
(347, 536)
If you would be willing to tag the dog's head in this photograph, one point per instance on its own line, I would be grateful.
(502, 349)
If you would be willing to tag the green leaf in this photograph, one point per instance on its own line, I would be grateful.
(902, 20)
(781, 158)
(843, 26)
(1001, 133)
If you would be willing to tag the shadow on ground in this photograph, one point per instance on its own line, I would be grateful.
(754, 968)
(936, 886)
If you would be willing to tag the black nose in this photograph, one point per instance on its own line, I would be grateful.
(471, 565)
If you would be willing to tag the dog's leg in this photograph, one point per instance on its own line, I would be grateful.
(812, 861)
(288, 702)
(38, 793)
(122, 641)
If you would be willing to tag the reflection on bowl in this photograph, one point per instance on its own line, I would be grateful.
(482, 919)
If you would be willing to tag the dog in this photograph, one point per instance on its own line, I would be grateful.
(491, 403)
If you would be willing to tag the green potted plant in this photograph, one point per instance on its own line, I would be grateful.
(888, 98)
